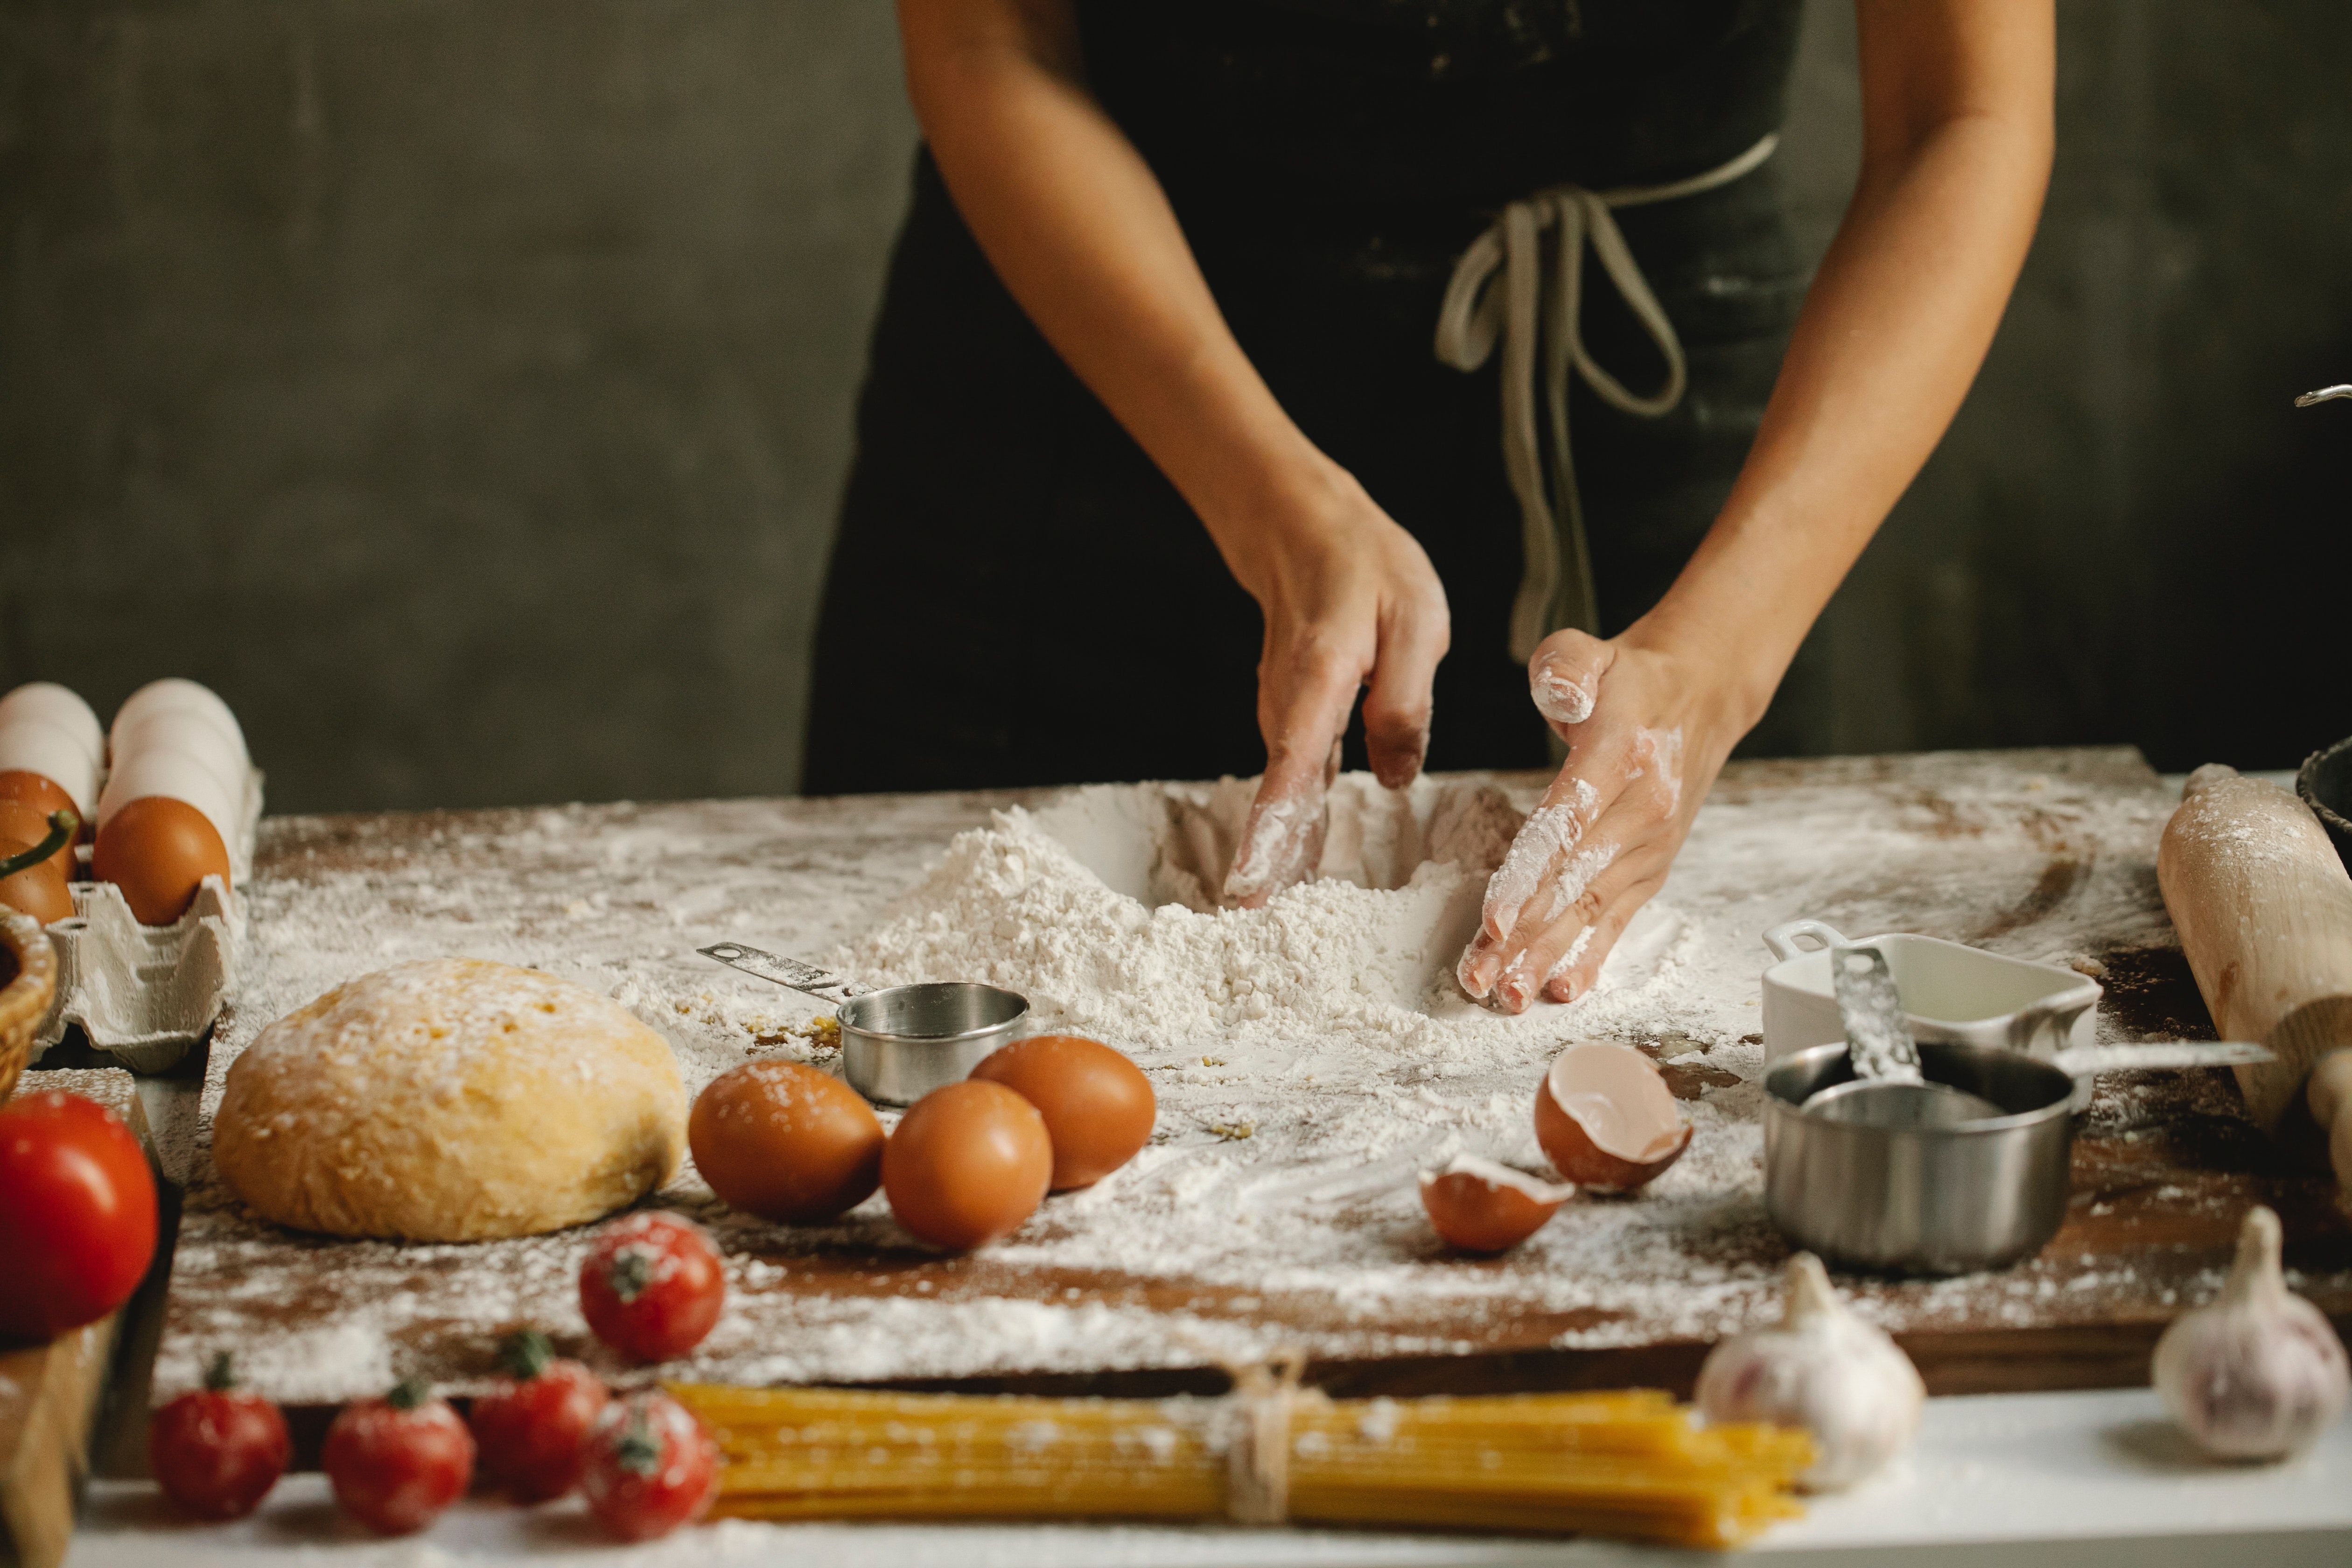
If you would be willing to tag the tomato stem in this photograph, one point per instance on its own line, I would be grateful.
(408, 1393)
(633, 1270)
(526, 1353)
(638, 1451)
(221, 1375)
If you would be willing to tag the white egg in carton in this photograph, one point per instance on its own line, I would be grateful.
(148, 994)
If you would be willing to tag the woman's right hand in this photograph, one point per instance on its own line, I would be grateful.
(1351, 603)
(1077, 225)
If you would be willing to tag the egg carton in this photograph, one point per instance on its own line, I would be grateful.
(148, 994)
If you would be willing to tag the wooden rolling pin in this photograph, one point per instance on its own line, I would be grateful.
(2264, 912)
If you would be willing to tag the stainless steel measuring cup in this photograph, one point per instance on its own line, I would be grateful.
(1915, 1196)
(900, 1043)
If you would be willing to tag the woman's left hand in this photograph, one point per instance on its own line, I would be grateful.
(1647, 729)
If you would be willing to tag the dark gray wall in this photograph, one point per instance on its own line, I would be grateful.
(2131, 533)
(463, 386)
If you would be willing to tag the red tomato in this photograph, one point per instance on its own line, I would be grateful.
(215, 1452)
(77, 1214)
(396, 1462)
(652, 1285)
(651, 1467)
(529, 1426)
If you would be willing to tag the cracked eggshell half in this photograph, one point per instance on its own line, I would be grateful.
(1478, 1206)
(1606, 1118)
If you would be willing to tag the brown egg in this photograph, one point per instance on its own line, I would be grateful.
(25, 825)
(1480, 1207)
(43, 793)
(37, 890)
(1606, 1118)
(782, 1140)
(157, 850)
(1097, 1104)
(967, 1164)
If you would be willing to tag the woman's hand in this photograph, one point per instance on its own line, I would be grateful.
(1077, 225)
(1647, 729)
(1956, 111)
(1350, 602)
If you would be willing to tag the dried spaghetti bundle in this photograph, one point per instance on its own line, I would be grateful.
(1631, 1465)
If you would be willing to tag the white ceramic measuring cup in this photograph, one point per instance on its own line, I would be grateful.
(1950, 992)
(2057, 1027)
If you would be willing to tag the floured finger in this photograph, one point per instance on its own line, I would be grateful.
(1577, 971)
(1537, 951)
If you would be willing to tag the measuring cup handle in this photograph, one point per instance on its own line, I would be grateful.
(790, 973)
(1782, 938)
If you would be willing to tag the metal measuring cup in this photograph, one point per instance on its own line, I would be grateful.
(1889, 1189)
(900, 1042)
(1932, 1157)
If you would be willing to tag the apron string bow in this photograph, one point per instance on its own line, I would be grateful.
(1535, 310)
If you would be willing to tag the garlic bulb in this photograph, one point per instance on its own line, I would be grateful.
(1822, 1369)
(2257, 1373)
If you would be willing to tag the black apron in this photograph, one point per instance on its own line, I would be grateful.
(1018, 597)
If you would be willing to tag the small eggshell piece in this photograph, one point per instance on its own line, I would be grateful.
(967, 1164)
(158, 850)
(1480, 1207)
(787, 1143)
(1097, 1105)
(1606, 1118)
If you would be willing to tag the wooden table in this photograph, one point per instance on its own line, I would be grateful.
(2042, 854)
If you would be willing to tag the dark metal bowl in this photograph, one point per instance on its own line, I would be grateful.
(2324, 783)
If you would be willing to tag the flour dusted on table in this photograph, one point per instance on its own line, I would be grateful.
(1275, 1206)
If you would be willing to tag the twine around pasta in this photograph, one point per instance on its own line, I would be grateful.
(1257, 1437)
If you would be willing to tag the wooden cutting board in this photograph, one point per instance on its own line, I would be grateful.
(2040, 854)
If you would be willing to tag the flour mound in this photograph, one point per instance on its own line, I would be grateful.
(1099, 909)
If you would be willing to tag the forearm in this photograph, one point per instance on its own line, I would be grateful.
(1892, 334)
(1077, 226)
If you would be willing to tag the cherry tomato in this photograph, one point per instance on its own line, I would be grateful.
(651, 1467)
(529, 1426)
(652, 1285)
(77, 1214)
(396, 1462)
(216, 1452)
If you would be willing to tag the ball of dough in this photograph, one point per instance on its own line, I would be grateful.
(450, 1099)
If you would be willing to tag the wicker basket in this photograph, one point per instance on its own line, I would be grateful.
(29, 982)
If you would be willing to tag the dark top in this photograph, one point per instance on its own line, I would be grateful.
(1379, 107)
(1018, 597)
